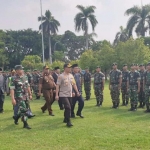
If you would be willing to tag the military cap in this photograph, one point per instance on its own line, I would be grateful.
(67, 65)
(114, 64)
(56, 68)
(148, 64)
(141, 65)
(1, 69)
(98, 67)
(19, 67)
(125, 65)
(132, 64)
(74, 65)
(46, 67)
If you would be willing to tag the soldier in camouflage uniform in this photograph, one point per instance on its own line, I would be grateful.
(20, 91)
(125, 94)
(99, 81)
(141, 93)
(115, 85)
(146, 86)
(87, 83)
(133, 85)
(36, 78)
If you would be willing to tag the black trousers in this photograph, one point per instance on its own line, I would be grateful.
(80, 104)
(1, 102)
(59, 102)
(67, 102)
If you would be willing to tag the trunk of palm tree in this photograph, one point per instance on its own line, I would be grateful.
(50, 51)
(87, 42)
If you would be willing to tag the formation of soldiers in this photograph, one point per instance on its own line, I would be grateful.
(66, 87)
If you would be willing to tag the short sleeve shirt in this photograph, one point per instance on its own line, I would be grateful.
(65, 82)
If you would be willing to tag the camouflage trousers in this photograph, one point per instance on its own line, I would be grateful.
(87, 89)
(147, 95)
(125, 94)
(133, 94)
(36, 89)
(115, 93)
(98, 93)
(23, 108)
(141, 95)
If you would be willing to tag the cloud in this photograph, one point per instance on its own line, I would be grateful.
(23, 14)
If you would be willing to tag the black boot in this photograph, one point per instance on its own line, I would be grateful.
(97, 103)
(114, 105)
(117, 105)
(143, 105)
(16, 118)
(123, 103)
(69, 124)
(101, 103)
(26, 125)
(127, 102)
(140, 105)
(131, 109)
(135, 108)
(147, 109)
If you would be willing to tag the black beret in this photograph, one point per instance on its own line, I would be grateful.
(125, 65)
(133, 65)
(56, 68)
(114, 64)
(74, 65)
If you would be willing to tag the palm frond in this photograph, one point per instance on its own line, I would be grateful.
(136, 10)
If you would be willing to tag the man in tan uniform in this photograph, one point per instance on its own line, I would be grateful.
(64, 86)
(47, 84)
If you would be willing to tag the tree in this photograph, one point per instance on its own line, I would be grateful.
(122, 36)
(50, 26)
(58, 55)
(59, 64)
(140, 19)
(32, 62)
(88, 59)
(132, 51)
(83, 18)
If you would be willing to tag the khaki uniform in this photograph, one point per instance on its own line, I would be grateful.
(48, 84)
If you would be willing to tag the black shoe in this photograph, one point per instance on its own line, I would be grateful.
(51, 114)
(147, 110)
(26, 125)
(131, 109)
(16, 118)
(80, 115)
(69, 124)
(1, 112)
(114, 105)
(42, 110)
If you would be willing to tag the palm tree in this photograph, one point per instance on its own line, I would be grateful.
(83, 18)
(140, 19)
(121, 36)
(50, 27)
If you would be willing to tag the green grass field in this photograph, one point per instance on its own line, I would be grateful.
(101, 129)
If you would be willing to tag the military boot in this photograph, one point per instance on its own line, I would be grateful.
(65, 120)
(16, 118)
(123, 103)
(97, 103)
(131, 109)
(26, 125)
(117, 106)
(114, 105)
(143, 105)
(147, 109)
(135, 108)
(101, 103)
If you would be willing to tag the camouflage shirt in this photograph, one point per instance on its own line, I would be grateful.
(20, 86)
(115, 75)
(146, 78)
(98, 77)
(87, 77)
(133, 77)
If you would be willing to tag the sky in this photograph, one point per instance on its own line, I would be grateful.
(23, 14)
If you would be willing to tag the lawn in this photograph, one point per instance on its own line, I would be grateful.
(102, 128)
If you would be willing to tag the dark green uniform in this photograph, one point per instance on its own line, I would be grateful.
(20, 86)
(125, 94)
(36, 78)
(147, 89)
(141, 94)
(87, 85)
(98, 87)
(133, 79)
(115, 76)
